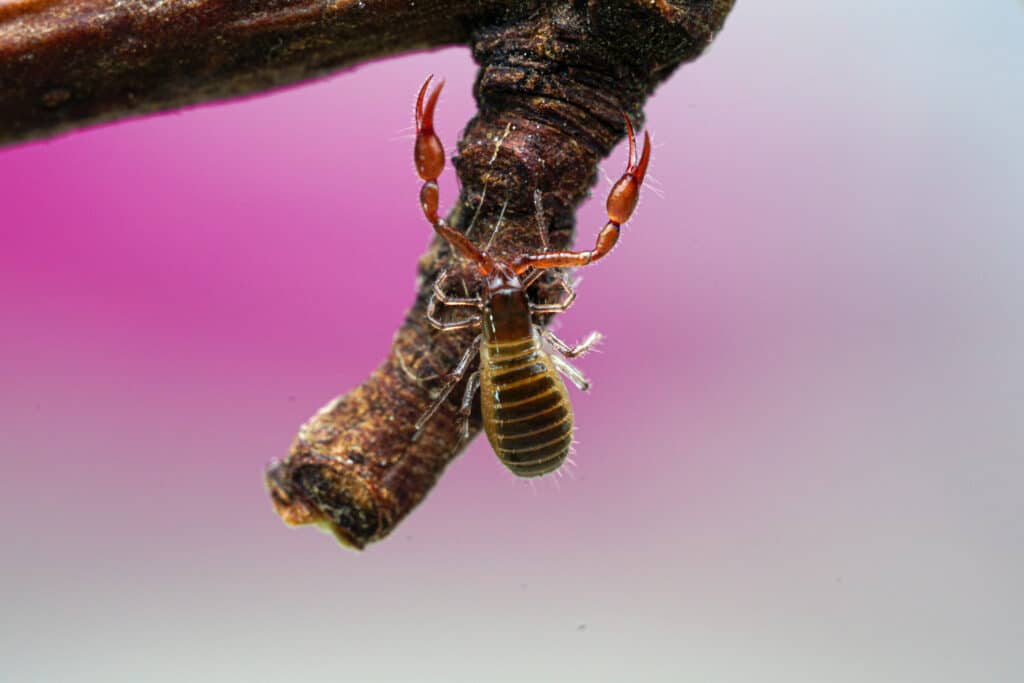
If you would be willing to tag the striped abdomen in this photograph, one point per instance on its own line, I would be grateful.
(525, 407)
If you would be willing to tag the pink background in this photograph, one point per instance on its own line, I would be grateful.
(800, 461)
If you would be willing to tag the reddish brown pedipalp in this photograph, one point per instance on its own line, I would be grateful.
(428, 155)
(428, 152)
(621, 202)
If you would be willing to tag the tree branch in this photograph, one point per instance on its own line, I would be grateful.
(69, 63)
(554, 81)
(551, 91)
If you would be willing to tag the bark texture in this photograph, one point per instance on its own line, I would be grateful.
(69, 63)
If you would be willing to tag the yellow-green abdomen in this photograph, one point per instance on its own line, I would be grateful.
(526, 411)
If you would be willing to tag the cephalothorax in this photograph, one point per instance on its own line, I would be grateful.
(524, 404)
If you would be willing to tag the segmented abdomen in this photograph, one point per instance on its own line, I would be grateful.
(525, 407)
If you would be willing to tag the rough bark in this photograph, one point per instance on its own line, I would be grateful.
(69, 63)
(554, 81)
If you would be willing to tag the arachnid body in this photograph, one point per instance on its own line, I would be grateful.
(524, 404)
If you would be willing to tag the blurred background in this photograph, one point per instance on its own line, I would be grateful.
(801, 459)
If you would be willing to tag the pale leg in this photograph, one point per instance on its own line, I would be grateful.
(560, 307)
(453, 379)
(572, 351)
(472, 384)
(574, 375)
(438, 288)
(452, 325)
